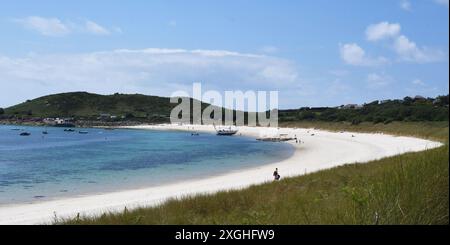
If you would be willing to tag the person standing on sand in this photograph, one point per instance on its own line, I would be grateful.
(276, 176)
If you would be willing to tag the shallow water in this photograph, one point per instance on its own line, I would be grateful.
(59, 164)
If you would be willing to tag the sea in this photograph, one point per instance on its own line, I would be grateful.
(61, 163)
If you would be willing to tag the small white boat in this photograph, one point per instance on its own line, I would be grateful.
(225, 131)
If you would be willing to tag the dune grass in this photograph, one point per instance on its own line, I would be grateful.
(412, 188)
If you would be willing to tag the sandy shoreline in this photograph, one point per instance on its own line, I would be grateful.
(319, 151)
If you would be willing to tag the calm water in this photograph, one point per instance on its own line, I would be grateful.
(43, 167)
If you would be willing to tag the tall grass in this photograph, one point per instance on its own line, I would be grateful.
(412, 188)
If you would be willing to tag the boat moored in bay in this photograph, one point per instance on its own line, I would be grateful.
(225, 131)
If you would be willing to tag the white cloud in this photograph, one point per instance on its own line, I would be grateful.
(405, 5)
(353, 54)
(45, 26)
(148, 71)
(408, 51)
(95, 28)
(442, 2)
(376, 81)
(56, 27)
(382, 30)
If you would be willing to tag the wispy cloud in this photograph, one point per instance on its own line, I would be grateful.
(378, 80)
(149, 71)
(95, 28)
(55, 27)
(44, 26)
(353, 54)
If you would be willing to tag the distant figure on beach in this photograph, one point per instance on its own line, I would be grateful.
(276, 176)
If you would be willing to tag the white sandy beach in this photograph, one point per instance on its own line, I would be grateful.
(319, 151)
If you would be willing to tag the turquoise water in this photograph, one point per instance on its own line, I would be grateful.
(58, 164)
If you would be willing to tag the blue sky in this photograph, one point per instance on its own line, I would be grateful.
(315, 53)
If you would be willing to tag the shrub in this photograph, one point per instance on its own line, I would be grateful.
(378, 120)
(356, 121)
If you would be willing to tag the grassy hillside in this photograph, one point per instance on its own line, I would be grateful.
(137, 107)
(411, 188)
(82, 104)
(408, 109)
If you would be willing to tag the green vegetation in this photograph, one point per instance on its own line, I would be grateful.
(153, 109)
(91, 106)
(408, 189)
(412, 188)
(81, 107)
(409, 109)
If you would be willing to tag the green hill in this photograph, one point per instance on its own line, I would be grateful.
(154, 109)
(87, 105)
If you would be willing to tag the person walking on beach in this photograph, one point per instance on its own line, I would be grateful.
(276, 176)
